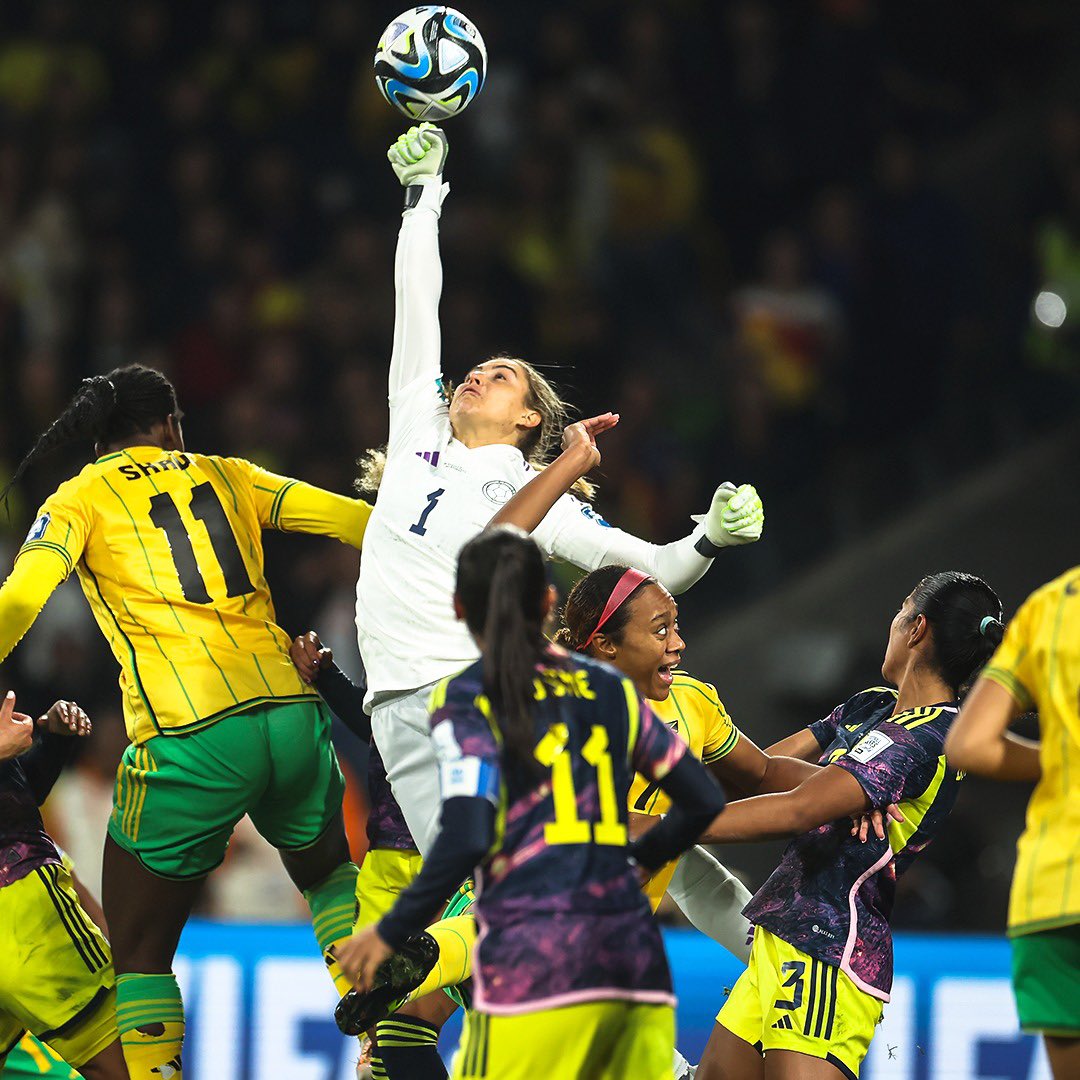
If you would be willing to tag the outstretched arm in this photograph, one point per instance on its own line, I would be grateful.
(293, 506)
(418, 158)
(735, 517)
(830, 794)
(980, 742)
(36, 575)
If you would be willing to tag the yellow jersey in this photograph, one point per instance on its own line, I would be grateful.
(694, 711)
(1038, 662)
(168, 550)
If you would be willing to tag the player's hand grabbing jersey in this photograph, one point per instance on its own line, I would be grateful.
(168, 550)
(562, 916)
(832, 896)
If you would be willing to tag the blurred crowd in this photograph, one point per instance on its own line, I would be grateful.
(793, 244)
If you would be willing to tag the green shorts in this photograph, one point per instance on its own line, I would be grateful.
(1046, 979)
(179, 797)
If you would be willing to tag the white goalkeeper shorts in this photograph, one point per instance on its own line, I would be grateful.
(402, 732)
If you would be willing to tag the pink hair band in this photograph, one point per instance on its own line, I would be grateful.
(630, 580)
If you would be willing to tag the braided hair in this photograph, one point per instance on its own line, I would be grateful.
(106, 408)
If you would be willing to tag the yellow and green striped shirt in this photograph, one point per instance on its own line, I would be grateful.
(694, 711)
(1038, 662)
(168, 549)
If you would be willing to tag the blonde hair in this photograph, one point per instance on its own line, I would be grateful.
(539, 444)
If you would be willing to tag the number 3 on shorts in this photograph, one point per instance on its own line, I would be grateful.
(794, 980)
(421, 526)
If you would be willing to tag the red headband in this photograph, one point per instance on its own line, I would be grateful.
(623, 588)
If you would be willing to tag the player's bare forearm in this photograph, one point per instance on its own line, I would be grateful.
(785, 773)
(830, 794)
(980, 743)
(799, 744)
(531, 504)
(751, 771)
(640, 824)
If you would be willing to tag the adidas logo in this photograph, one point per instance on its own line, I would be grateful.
(784, 1024)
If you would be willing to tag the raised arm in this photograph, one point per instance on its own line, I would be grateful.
(571, 530)
(980, 742)
(417, 159)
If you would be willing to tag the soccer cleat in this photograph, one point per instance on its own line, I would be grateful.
(358, 1012)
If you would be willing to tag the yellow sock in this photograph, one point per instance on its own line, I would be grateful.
(456, 937)
(150, 1016)
(341, 984)
(153, 1052)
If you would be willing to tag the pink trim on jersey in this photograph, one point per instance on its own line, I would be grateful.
(853, 928)
(480, 1002)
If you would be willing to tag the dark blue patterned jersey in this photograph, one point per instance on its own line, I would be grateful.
(386, 827)
(24, 843)
(832, 895)
(561, 913)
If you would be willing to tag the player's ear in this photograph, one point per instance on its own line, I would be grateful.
(172, 436)
(918, 631)
(459, 609)
(605, 648)
(530, 419)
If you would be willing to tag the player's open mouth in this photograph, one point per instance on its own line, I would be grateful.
(468, 390)
(665, 674)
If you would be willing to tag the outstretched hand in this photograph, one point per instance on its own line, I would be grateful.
(581, 436)
(65, 718)
(16, 729)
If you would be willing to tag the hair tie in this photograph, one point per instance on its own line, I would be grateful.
(630, 580)
(988, 621)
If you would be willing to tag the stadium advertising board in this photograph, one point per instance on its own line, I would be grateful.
(259, 1004)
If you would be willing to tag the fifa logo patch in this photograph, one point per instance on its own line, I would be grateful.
(37, 530)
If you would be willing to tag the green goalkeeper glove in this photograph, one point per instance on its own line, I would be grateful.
(419, 155)
(735, 517)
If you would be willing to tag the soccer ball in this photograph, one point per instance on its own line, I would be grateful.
(430, 63)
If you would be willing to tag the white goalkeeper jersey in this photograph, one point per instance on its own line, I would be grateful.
(437, 494)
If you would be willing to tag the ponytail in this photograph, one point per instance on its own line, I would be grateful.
(105, 408)
(965, 616)
(501, 585)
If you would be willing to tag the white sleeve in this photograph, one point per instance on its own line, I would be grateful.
(574, 531)
(712, 898)
(416, 361)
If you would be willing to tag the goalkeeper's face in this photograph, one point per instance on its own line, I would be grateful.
(490, 405)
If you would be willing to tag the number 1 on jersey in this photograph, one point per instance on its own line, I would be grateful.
(432, 500)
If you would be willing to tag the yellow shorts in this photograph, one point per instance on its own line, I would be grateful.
(787, 1000)
(56, 973)
(383, 875)
(656, 886)
(600, 1040)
